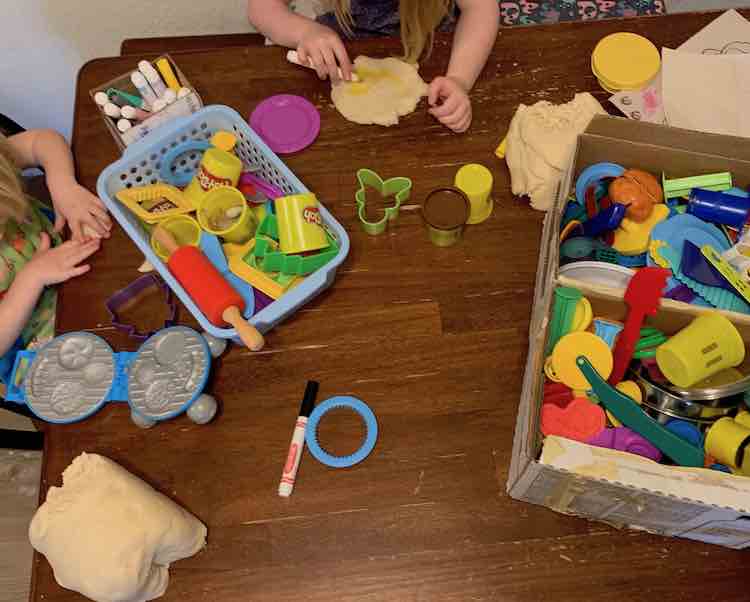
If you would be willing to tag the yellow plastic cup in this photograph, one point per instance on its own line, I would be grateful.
(709, 344)
(213, 211)
(726, 441)
(300, 224)
(475, 181)
(217, 168)
(184, 229)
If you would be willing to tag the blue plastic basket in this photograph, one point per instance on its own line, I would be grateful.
(140, 165)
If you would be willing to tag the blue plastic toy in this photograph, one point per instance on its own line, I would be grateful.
(371, 427)
(75, 374)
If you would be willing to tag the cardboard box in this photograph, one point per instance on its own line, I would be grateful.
(182, 107)
(605, 485)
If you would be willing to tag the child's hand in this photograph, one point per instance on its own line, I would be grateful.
(84, 212)
(52, 266)
(322, 47)
(455, 110)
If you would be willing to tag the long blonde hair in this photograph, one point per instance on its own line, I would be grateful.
(14, 204)
(419, 19)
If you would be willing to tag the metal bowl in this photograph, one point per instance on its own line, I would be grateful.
(702, 405)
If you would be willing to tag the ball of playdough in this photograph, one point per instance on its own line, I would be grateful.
(110, 536)
(639, 191)
(216, 345)
(141, 421)
(203, 409)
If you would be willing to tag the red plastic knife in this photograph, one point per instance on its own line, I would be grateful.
(642, 297)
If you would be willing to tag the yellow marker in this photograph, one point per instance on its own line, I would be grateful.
(726, 270)
(166, 72)
(500, 151)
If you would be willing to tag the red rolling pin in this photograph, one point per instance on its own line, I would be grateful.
(214, 296)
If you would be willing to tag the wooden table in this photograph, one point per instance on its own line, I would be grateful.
(434, 340)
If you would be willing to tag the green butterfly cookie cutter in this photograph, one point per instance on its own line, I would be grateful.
(267, 257)
(399, 188)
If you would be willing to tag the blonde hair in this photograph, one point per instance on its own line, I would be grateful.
(14, 204)
(419, 19)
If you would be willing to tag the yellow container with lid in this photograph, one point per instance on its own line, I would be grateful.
(625, 61)
(217, 168)
(475, 181)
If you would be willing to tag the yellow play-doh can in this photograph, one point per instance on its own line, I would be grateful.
(300, 224)
(225, 213)
(625, 61)
(475, 181)
(183, 228)
(217, 168)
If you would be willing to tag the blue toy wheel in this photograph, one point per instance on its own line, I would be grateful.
(371, 428)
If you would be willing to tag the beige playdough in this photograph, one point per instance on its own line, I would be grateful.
(110, 536)
(540, 143)
(388, 89)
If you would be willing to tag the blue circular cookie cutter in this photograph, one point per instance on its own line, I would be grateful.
(180, 178)
(371, 428)
(594, 174)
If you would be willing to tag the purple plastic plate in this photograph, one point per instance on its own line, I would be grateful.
(287, 123)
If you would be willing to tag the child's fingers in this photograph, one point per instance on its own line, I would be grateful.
(318, 62)
(44, 243)
(59, 221)
(436, 87)
(342, 56)
(94, 225)
(76, 230)
(76, 271)
(80, 251)
(101, 214)
(332, 66)
(449, 106)
(456, 118)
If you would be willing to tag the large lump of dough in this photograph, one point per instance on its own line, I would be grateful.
(110, 536)
(540, 143)
(388, 89)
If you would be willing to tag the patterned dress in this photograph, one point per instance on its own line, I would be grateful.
(17, 246)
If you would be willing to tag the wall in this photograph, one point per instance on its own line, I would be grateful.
(45, 42)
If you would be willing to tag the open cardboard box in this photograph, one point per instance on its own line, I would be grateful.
(601, 484)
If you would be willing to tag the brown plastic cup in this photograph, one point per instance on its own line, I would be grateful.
(445, 211)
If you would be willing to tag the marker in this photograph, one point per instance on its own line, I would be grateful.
(158, 105)
(166, 72)
(112, 110)
(289, 474)
(124, 125)
(144, 89)
(152, 75)
(101, 98)
(170, 96)
(123, 98)
(129, 112)
(184, 92)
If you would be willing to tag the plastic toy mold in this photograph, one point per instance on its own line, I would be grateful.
(399, 188)
(75, 374)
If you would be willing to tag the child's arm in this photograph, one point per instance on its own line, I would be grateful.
(73, 203)
(473, 40)
(315, 43)
(48, 266)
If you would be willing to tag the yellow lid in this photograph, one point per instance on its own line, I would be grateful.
(474, 180)
(225, 141)
(587, 344)
(583, 316)
(625, 61)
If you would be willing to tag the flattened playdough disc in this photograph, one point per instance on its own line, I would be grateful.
(625, 61)
(573, 345)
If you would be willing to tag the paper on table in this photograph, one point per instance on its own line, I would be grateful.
(707, 93)
(727, 34)
(642, 105)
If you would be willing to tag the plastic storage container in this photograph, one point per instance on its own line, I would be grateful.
(140, 165)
